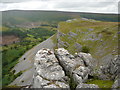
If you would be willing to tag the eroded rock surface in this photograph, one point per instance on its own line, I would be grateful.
(48, 72)
(54, 70)
(112, 69)
(116, 84)
(75, 66)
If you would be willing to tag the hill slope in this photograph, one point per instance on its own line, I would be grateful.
(17, 17)
(87, 35)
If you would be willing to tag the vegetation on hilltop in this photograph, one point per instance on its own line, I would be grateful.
(96, 37)
(17, 17)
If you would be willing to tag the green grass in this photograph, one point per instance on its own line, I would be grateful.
(11, 53)
(85, 49)
(98, 48)
(101, 83)
(17, 17)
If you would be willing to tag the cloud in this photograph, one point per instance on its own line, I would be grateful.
(100, 6)
(18, 1)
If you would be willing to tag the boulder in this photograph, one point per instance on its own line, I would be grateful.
(48, 72)
(112, 69)
(78, 47)
(72, 34)
(62, 43)
(61, 34)
(73, 65)
(116, 84)
(56, 70)
(87, 58)
(88, 61)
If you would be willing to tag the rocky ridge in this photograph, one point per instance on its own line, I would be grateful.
(59, 69)
(112, 69)
(48, 72)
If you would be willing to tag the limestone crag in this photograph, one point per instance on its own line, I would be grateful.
(54, 70)
(72, 34)
(74, 66)
(60, 42)
(112, 69)
(116, 83)
(48, 72)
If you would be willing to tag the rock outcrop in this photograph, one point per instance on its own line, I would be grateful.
(74, 66)
(48, 72)
(59, 69)
(111, 71)
(116, 83)
(72, 34)
(55, 70)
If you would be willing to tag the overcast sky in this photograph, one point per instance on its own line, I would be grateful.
(97, 6)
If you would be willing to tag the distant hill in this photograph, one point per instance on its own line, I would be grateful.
(17, 17)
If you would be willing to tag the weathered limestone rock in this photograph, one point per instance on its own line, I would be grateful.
(48, 72)
(116, 84)
(88, 61)
(61, 43)
(78, 47)
(82, 85)
(87, 58)
(74, 65)
(55, 70)
(61, 34)
(72, 34)
(112, 69)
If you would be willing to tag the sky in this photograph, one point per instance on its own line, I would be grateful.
(96, 6)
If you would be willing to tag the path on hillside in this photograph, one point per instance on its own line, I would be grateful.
(26, 63)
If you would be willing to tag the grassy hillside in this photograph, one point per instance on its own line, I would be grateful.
(20, 17)
(96, 37)
(11, 52)
(15, 17)
(32, 27)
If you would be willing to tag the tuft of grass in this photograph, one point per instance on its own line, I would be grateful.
(85, 49)
(12, 86)
(101, 83)
(72, 83)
